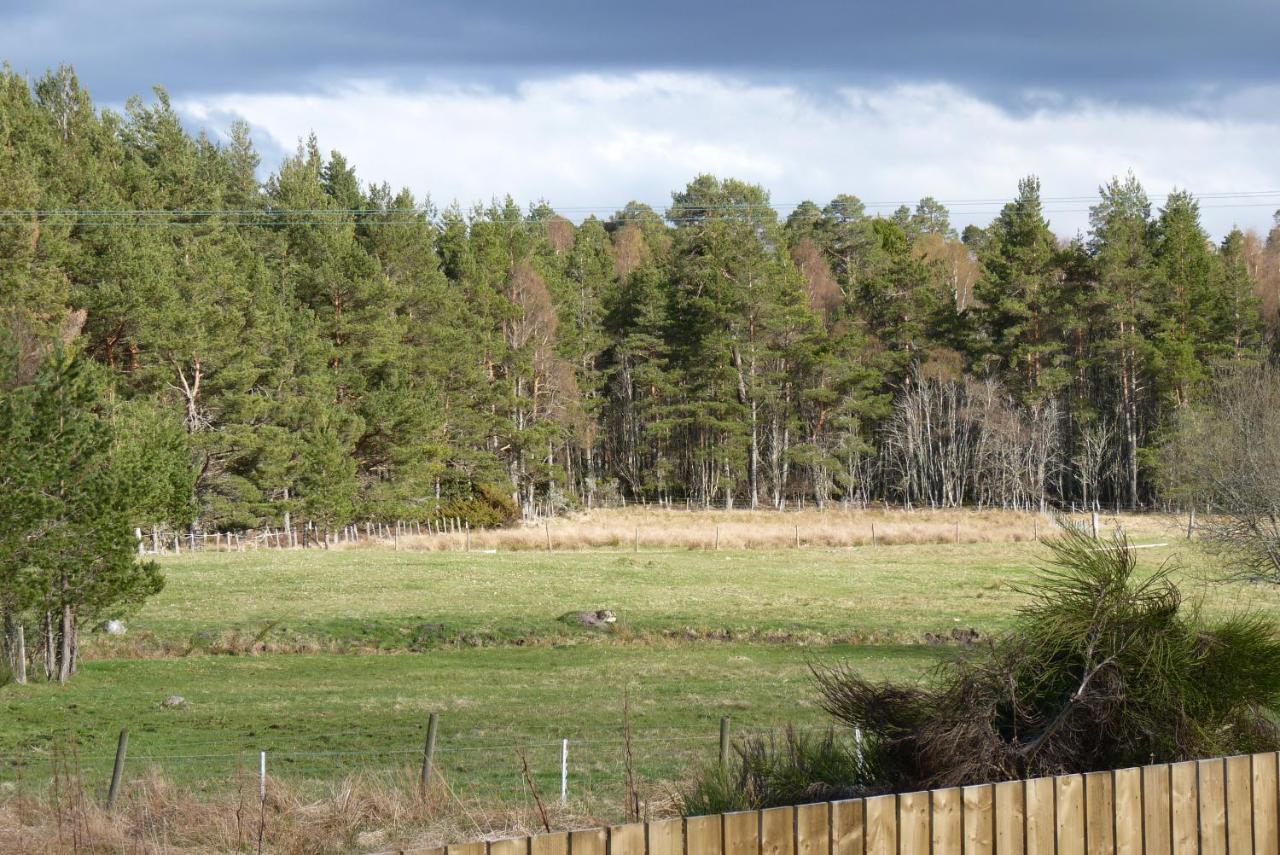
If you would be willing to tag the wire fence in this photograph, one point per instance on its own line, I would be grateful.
(588, 764)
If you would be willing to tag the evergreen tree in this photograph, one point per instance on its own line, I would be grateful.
(67, 549)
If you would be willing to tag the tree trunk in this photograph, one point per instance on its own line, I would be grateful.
(20, 656)
(50, 646)
(64, 663)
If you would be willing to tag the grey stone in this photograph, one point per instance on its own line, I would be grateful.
(598, 619)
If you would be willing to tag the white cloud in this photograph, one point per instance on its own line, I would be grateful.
(596, 141)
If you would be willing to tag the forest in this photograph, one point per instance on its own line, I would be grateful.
(323, 346)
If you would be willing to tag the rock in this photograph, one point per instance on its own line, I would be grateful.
(599, 619)
(957, 636)
(113, 627)
(367, 839)
(173, 702)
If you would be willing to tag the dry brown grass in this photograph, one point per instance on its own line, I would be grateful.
(705, 529)
(361, 813)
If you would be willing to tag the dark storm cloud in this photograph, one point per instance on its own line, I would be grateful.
(1121, 50)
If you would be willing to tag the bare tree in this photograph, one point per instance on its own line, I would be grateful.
(1226, 459)
(1095, 459)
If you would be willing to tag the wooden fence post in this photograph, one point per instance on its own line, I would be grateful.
(429, 750)
(20, 656)
(1191, 522)
(1094, 518)
(117, 770)
(724, 740)
(547, 528)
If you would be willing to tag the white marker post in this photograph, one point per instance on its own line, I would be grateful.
(262, 776)
(564, 771)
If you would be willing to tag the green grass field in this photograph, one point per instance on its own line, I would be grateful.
(390, 636)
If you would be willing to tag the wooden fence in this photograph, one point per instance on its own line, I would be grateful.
(1225, 806)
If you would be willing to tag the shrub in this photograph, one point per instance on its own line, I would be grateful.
(486, 506)
(765, 772)
(1105, 668)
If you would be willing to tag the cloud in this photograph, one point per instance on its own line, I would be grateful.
(595, 141)
(1137, 51)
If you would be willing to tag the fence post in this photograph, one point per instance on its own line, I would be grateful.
(717, 538)
(1095, 525)
(546, 526)
(262, 776)
(429, 750)
(637, 544)
(564, 771)
(724, 740)
(873, 534)
(117, 770)
(466, 547)
(1191, 521)
(797, 537)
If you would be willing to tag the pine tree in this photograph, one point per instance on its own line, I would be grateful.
(1020, 296)
(1127, 274)
(67, 549)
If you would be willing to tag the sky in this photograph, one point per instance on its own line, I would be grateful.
(591, 104)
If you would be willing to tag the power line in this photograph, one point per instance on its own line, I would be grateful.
(423, 211)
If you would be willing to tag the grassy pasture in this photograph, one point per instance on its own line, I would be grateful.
(349, 649)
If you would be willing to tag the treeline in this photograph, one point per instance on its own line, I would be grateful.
(335, 350)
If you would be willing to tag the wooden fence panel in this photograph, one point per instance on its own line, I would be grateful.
(1040, 830)
(627, 839)
(913, 824)
(702, 835)
(666, 837)
(882, 825)
(847, 836)
(1070, 815)
(1099, 813)
(465, 848)
(547, 844)
(979, 820)
(1265, 804)
(813, 829)
(742, 833)
(592, 841)
(948, 828)
(1157, 815)
(1213, 807)
(511, 846)
(1011, 824)
(1185, 797)
(777, 831)
(1239, 805)
(1128, 804)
